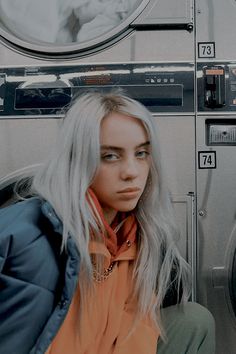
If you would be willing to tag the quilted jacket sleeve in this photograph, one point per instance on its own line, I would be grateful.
(29, 274)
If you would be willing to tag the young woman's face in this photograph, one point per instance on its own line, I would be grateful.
(125, 164)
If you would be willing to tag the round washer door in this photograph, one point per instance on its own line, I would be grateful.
(8, 184)
(66, 27)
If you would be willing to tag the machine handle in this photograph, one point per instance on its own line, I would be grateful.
(193, 245)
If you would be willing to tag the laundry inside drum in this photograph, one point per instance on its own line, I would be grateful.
(63, 22)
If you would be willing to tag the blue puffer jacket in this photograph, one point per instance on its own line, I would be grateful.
(37, 281)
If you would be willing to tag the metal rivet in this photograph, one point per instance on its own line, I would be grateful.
(201, 213)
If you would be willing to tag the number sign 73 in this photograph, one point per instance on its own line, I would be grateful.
(206, 49)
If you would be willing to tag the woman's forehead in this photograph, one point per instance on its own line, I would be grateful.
(118, 128)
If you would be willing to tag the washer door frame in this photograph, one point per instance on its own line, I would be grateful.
(68, 50)
(8, 182)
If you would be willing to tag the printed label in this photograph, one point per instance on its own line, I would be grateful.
(206, 50)
(206, 159)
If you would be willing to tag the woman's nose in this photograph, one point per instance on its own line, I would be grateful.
(129, 169)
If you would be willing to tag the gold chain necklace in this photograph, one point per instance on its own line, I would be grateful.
(98, 277)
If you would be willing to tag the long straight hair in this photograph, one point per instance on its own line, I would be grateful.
(64, 181)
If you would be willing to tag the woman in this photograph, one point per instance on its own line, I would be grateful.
(89, 262)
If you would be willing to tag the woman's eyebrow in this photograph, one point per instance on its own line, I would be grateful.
(117, 148)
(147, 143)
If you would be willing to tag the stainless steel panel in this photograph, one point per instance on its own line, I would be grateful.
(217, 236)
(176, 136)
(163, 46)
(147, 45)
(177, 142)
(25, 142)
(215, 22)
(184, 207)
(167, 12)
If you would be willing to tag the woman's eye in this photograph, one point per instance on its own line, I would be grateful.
(142, 154)
(110, 157)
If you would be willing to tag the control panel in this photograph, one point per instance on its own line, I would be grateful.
(216, 87)
(37, 91)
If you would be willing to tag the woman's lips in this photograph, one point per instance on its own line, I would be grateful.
(129, 193)
(129, 190)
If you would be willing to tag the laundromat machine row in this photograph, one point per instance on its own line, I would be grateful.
(179, 59)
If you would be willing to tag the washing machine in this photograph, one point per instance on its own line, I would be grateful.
(216, 166)
(50, 53)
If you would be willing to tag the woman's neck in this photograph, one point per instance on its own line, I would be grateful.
(109, 215)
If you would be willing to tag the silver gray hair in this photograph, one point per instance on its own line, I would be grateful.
(65, 178)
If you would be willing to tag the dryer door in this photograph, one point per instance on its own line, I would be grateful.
(9, 186)
(63, 27)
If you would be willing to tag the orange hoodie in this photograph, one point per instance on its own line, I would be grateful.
(108, 317)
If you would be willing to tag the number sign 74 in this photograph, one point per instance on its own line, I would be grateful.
(206, 159)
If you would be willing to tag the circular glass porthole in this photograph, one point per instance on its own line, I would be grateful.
(65, 27)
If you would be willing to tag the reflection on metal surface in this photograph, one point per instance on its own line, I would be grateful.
(49, 90)
(42, 97)
(2, 90)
